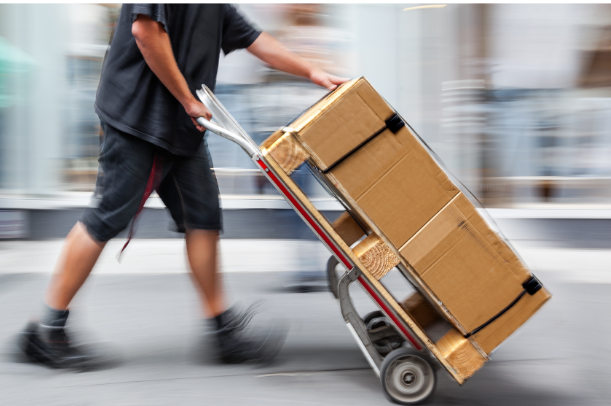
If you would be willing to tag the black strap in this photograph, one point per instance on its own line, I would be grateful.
(531, 286)
(353, 150)
(394, 123)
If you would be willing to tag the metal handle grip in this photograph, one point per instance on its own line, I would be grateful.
(238, 139)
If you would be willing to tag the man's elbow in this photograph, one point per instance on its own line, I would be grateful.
(138, 31)
(144, 29)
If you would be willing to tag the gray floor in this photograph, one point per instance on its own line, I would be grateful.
(151, 323)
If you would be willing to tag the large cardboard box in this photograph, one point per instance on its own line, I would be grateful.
(386, 171)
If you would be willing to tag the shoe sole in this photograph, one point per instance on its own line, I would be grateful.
(34, 350)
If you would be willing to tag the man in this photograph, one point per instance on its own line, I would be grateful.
(159, 55)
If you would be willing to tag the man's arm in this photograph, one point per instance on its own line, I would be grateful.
(272, 52)
(154, 43)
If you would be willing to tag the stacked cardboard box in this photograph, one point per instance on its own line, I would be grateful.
(381, 167)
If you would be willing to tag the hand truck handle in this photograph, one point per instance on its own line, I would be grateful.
(225, 125)
(217, 129)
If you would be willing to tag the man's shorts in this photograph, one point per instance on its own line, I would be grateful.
(187, 186)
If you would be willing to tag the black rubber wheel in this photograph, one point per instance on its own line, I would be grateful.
(372, 315)
(407, 377)
(332, 264)
(374, 320)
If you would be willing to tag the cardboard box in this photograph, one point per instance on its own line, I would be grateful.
(494, 334)
(472, 271)
(396, 182)
(341, 122)
(392, 179)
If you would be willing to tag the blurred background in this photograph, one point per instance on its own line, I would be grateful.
(514, 98)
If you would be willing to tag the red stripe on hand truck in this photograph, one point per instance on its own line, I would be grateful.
(337, 251)
(389, 312)
(305, 215)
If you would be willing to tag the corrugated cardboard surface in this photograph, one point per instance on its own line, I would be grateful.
(494, 334)
(359, 171)
(338, 124)
(470, 269)
(396, 182)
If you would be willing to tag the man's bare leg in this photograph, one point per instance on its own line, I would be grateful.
(202, 252)
(234, 345)
(78, 257)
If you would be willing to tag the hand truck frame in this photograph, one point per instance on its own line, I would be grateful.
(407, 374)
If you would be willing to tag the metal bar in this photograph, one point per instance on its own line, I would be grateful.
(372, 363)
(226, 121)
(352, 319)
(303, 212)
(251, 150)
(389, 313)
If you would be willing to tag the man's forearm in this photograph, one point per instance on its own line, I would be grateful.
(154, 43)
(272, 52)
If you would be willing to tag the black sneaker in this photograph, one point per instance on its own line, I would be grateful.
(50, 346)
(236, 345)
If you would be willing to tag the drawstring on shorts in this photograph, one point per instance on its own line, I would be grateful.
(152, 184)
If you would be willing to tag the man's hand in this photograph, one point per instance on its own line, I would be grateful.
(272, 52)
(322, 78)
(196, 109)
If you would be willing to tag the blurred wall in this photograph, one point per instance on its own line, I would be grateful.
(34, 119)
(514, 98)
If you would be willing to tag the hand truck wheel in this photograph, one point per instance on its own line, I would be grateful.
(374, 321)
(407, 377)
(372, 315)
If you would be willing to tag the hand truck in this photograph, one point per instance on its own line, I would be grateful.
(407, 373)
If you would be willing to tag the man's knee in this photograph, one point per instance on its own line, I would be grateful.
(102, 227)
(201, 233)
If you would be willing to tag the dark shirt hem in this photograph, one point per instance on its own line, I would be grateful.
(247, 42)
(144, 136)
(147, 11)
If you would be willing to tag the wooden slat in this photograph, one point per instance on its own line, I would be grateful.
(269, 141)
(348, 228)
(286, 150)
(377, 285)
(461, 353)
(376, 256)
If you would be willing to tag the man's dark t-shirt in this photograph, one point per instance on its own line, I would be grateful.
(132, 99)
